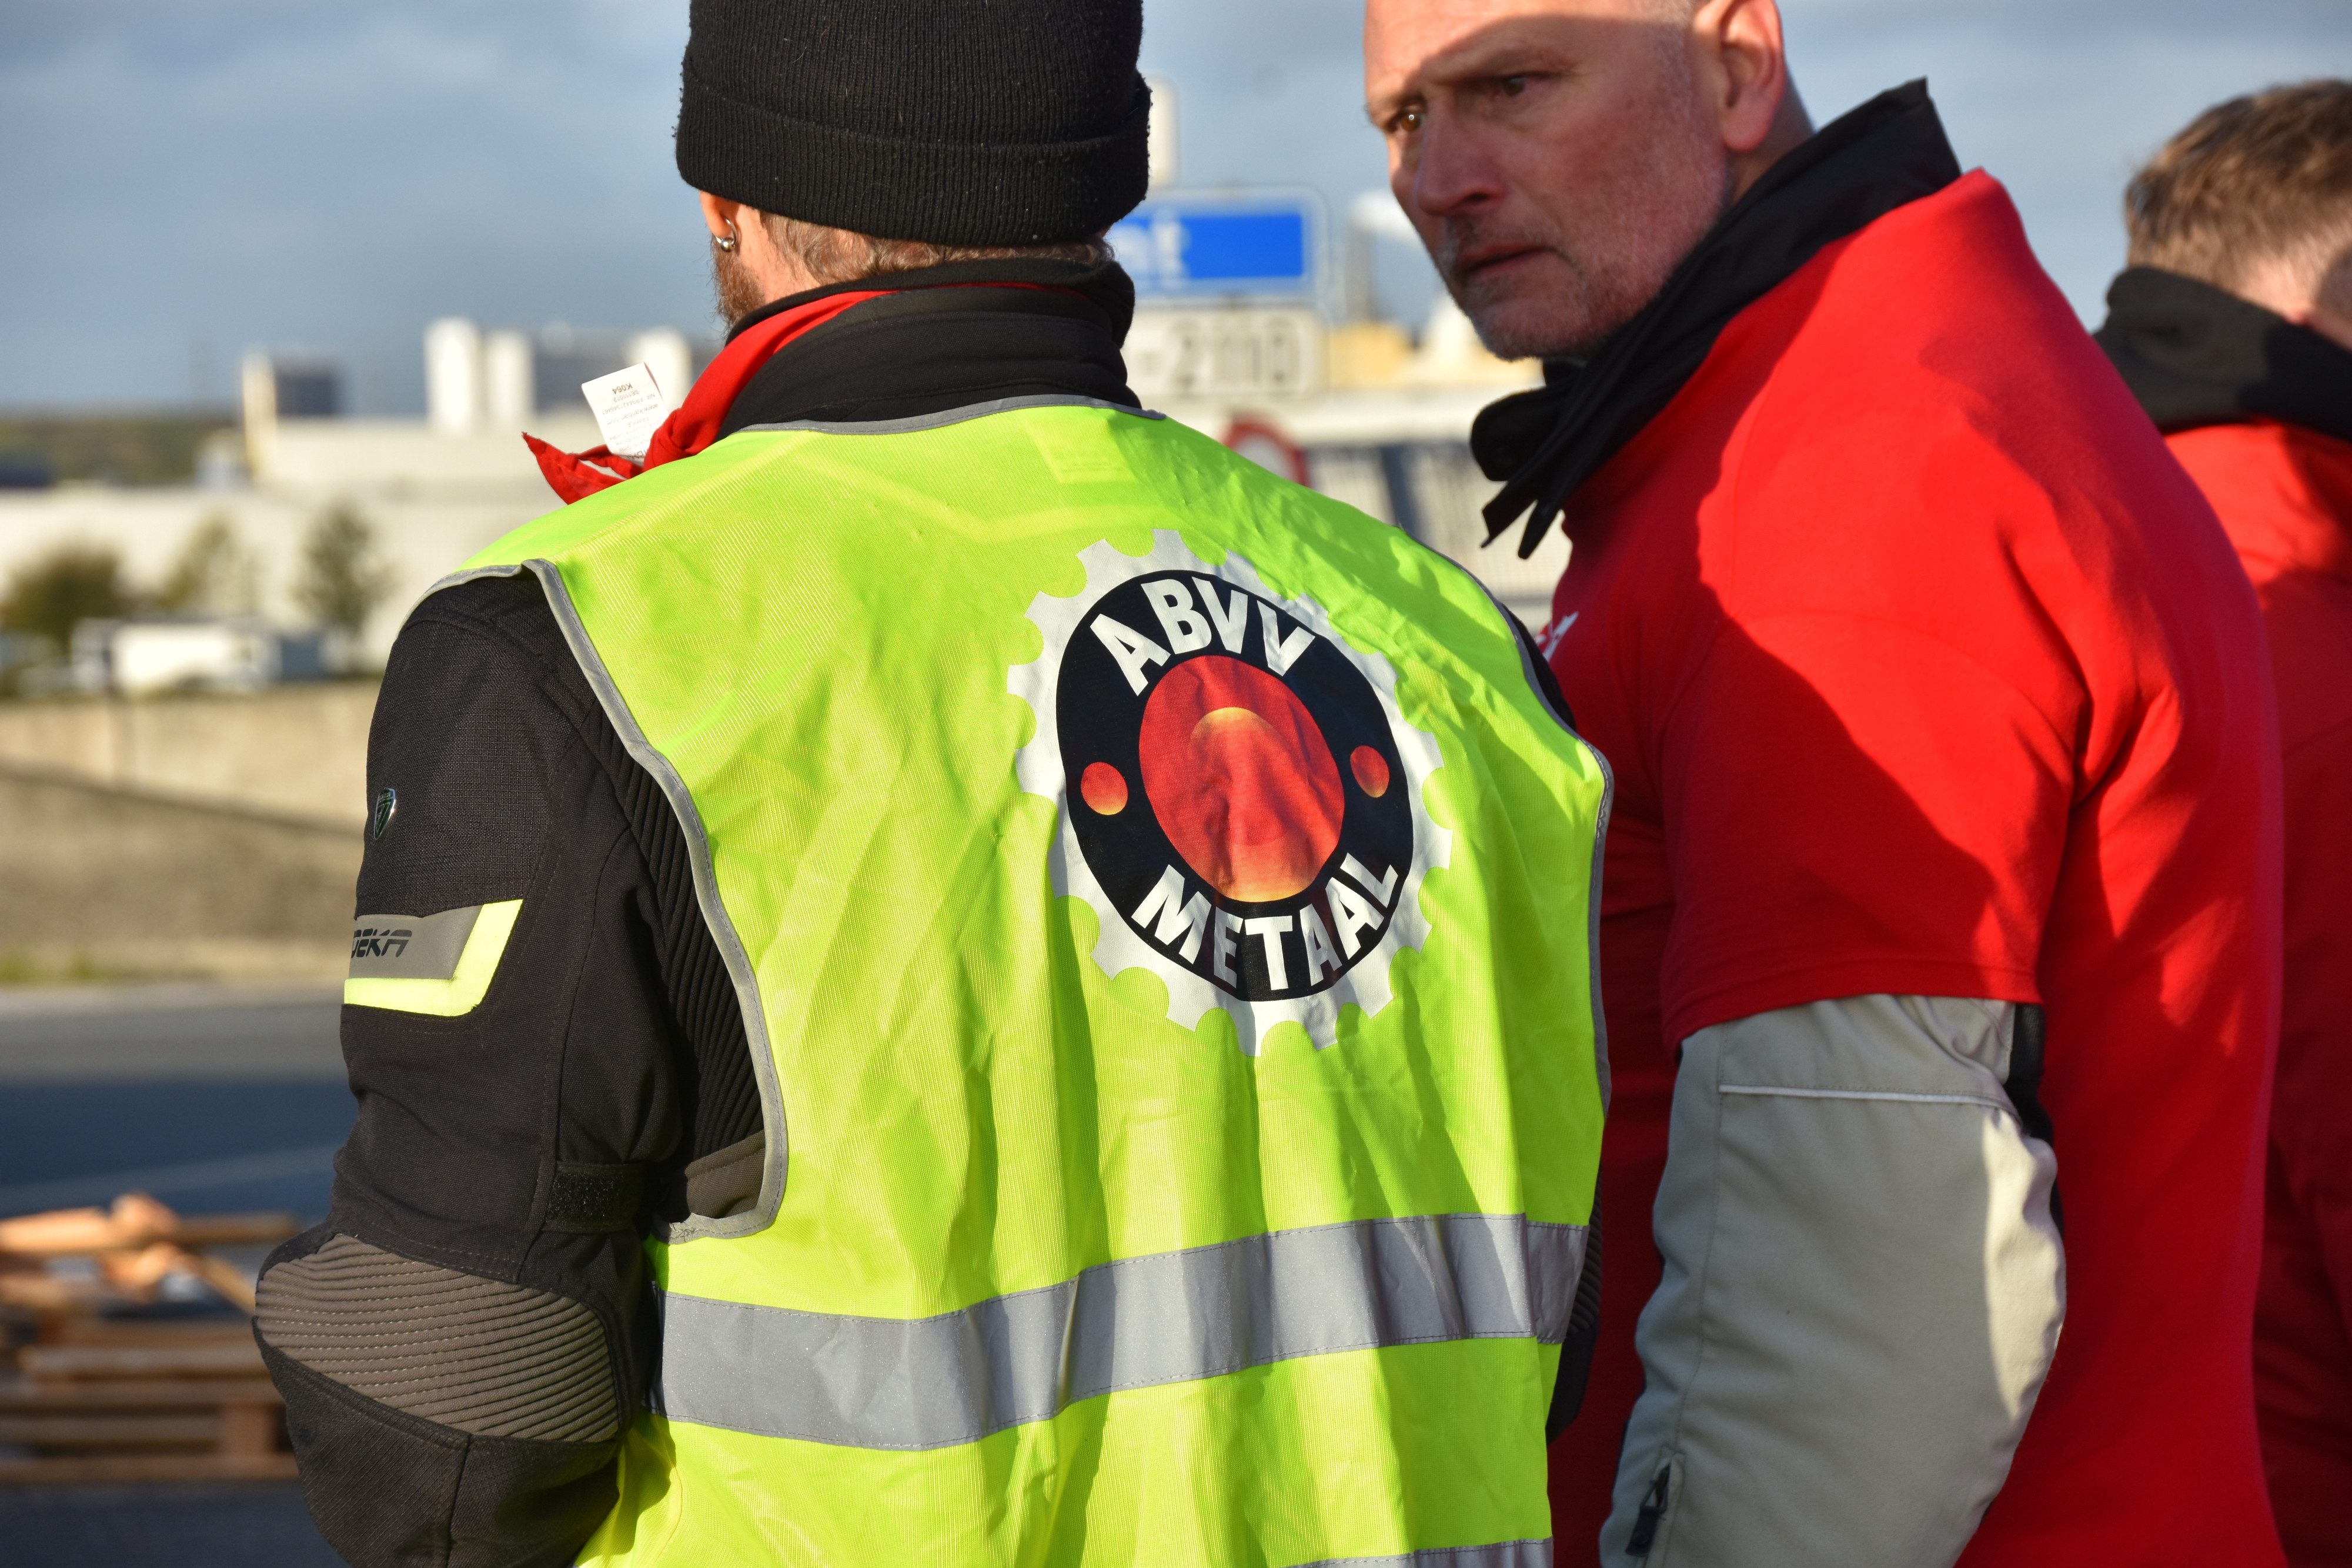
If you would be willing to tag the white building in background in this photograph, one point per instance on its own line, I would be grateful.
(503, 381)
(1381, 421)
(1361, 411)
(431, 490)
(456, 401)
(139, 658)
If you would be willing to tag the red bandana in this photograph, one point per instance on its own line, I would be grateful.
(694, 425)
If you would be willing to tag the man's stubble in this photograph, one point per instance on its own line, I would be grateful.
(1635, 228)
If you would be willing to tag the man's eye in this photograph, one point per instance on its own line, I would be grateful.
(1408, 119)
(1513, 86)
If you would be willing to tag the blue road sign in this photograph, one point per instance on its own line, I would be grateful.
(1216, 245)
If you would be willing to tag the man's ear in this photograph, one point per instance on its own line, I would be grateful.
(724, 217)
(1744, 77)
(777, 271)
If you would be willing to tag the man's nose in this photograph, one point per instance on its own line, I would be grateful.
(1454, 175)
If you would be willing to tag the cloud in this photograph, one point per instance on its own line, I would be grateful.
(2060, 102)
(273, 173)
(281, 171)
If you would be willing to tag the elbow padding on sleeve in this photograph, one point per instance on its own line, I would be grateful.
(488, 1358)
(1862, 1290)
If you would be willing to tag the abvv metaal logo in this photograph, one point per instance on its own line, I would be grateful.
(1241, 800)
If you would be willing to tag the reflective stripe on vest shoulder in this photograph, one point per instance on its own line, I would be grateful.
(439, 964)
(1169, 1317)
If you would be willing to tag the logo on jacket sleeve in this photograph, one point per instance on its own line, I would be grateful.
(1239, 798)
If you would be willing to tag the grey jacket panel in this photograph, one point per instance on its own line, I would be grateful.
(1862, 1290)
(499, 1360)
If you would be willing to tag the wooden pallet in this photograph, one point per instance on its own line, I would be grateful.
(134, 1244)
(100, 1398)
(147, 1403)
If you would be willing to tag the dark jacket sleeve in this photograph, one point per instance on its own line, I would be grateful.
(464, 1340)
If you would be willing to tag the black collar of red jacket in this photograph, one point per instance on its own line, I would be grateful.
(1544, 442)
(945, 338)
(2196, 355)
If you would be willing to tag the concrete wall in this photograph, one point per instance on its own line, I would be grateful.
(96, 884)
(296, 751)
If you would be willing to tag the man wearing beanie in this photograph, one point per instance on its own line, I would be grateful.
(945, 971)
(2233, 327)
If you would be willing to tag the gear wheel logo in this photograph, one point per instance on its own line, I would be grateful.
(1240, 799)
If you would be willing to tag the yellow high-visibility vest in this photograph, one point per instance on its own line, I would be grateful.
(1161, 902)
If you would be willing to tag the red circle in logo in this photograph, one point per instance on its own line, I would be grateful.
(1371, 770)
(1103, 787)
(1240, 778)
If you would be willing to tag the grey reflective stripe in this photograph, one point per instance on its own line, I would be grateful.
(1502, 1555)
(1171, 1317)
(411, 947)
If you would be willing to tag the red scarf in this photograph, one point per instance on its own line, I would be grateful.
(695, 423)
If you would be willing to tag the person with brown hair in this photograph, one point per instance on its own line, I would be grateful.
(2233, 327)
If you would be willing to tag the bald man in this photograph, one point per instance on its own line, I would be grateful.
(1942, 876)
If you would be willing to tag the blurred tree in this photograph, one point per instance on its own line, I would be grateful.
(114, 449)
(50, 594)
(342, 581)
(215, 574)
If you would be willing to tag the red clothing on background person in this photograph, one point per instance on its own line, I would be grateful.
(2286, 497)
(2259, 411)
(1923, 672)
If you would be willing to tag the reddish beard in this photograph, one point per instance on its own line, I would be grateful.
(738, 292)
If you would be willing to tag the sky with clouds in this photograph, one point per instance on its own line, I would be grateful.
(187, 178)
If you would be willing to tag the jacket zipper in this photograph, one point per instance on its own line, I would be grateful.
(1646, 1524)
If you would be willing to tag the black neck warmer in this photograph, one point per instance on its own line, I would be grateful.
(1107, 288)
(948, 336)
(2196, 355)
(1546, 441)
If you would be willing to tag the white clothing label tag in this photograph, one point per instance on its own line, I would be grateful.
(629, 407)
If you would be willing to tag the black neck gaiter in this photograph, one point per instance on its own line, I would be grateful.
(1546, 441)
(2196, 355)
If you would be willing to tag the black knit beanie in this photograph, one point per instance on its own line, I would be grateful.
(979, 122)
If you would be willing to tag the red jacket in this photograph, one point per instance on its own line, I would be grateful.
(2286, 497)
(1923, 671)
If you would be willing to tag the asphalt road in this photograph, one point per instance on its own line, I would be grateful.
(245, 1525)
(209, 1099)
